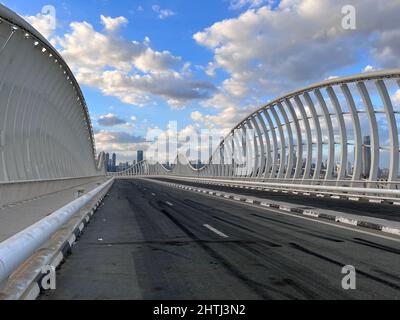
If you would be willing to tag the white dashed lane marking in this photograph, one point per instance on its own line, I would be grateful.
(221, 234)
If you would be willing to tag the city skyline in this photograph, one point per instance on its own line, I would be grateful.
(114, 165)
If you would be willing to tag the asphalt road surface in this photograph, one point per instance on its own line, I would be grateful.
(363, 208)
(149, 241)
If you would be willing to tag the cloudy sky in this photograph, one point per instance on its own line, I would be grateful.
(206, 63)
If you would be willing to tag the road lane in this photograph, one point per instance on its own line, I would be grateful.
(153, 250)
(362, 208)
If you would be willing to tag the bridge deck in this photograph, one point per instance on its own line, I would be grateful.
(152, 242)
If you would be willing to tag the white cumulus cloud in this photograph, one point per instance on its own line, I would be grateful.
(129, 70)
(113, 24)
(163, 13)
(268, 51)
(110, 120)
(42, 23)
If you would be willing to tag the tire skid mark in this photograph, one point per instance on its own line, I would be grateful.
(303, 278)
(375, 245)
(300, 229)
(271, 244)
(253, 285)
(365, 274)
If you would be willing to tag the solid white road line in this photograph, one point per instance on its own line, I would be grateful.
(221, 234)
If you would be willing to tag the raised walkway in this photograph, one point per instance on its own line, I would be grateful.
(16, 217)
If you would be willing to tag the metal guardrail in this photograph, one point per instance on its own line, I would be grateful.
(389, 195)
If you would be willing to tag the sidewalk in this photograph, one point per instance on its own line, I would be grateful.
(15, 218)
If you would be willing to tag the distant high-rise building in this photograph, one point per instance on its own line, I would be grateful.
(366, 156)
(114, 162)
(349, 168)
(122, 166)
(140, 156)
(107, 162)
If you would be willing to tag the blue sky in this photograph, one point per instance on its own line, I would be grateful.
(174, 34)
(205, 63)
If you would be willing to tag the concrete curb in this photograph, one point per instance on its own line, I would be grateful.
(26, 284)
(305, 212)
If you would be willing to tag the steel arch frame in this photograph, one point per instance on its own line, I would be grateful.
(283, 147)
(45, 127)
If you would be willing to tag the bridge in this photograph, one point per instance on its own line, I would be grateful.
(301, 189)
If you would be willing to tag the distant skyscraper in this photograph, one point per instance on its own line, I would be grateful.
(114, 162)
(349, 168)
(122, 166)
(107, 161)
(140, 156)
(366, 156)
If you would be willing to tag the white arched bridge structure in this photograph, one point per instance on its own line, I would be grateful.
(338, 135)
(47, 149)
(46, 137)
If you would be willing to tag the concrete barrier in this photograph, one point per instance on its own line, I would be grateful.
(13, 192)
